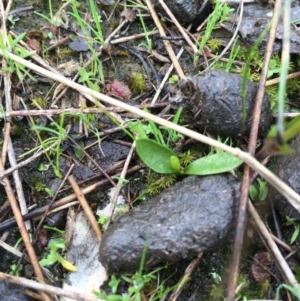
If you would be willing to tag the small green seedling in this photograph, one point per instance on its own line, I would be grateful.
(275, 146)
(220, 14)
(55, 245)
(144, 131)
(174, 79)
(259, 190)
(12, 47)
(16, 270)
(148, 45)
(59, 134)
(294, 290)
(290, 221)
(162, 159)
(137, 284)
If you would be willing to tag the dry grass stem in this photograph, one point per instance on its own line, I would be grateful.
(166, 77)
(85, 206)
(21, 225)
(285, 269)
(187, 275)
(166, 42)
(47, 288)
(133, 37)
(179, 27)
(275, 81)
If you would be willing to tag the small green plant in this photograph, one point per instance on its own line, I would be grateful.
(294, 290)
(220, 14)
(259, 190)
(137, 82)
(89, 78)
(96, 70)
(12, 20)
(137, 284)
(173, 79)
(233, 54)
(55, 246)
(156, 183)
(39, 186)
(214, 44)
(12, 47)
(162, 159)
(59, 135)
(59, 18)
(148, 45)
(296, 225)
(159, 157)
(143, 131)
(16, 270)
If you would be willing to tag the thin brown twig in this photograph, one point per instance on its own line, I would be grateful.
(94, 162)
(179, 27)
(166, 77)
(187, 274)
(21, 225)
(238, 241)
(47, 288)
(281, 262)
(38, 213)
(133, 37)
(53, 112)
(85, 206)
(8, 146)
(18, 183)
(276, 80)
(121, 183)
(166, 42)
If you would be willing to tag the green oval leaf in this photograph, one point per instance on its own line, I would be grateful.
(213, 164)
(155, 156)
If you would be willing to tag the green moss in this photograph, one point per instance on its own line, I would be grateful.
(214, 44)
(137, 82)
(156, 183)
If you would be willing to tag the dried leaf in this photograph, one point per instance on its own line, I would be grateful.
(129, 14)
(34, 45)
(119, 89)
(259, 266)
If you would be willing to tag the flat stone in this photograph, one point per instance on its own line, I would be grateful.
(197, 214)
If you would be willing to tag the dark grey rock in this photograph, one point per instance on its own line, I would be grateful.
(13, 292)
(256, 18)
(212, 101)
(287, 168)
(195, 215)
(184, 11)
